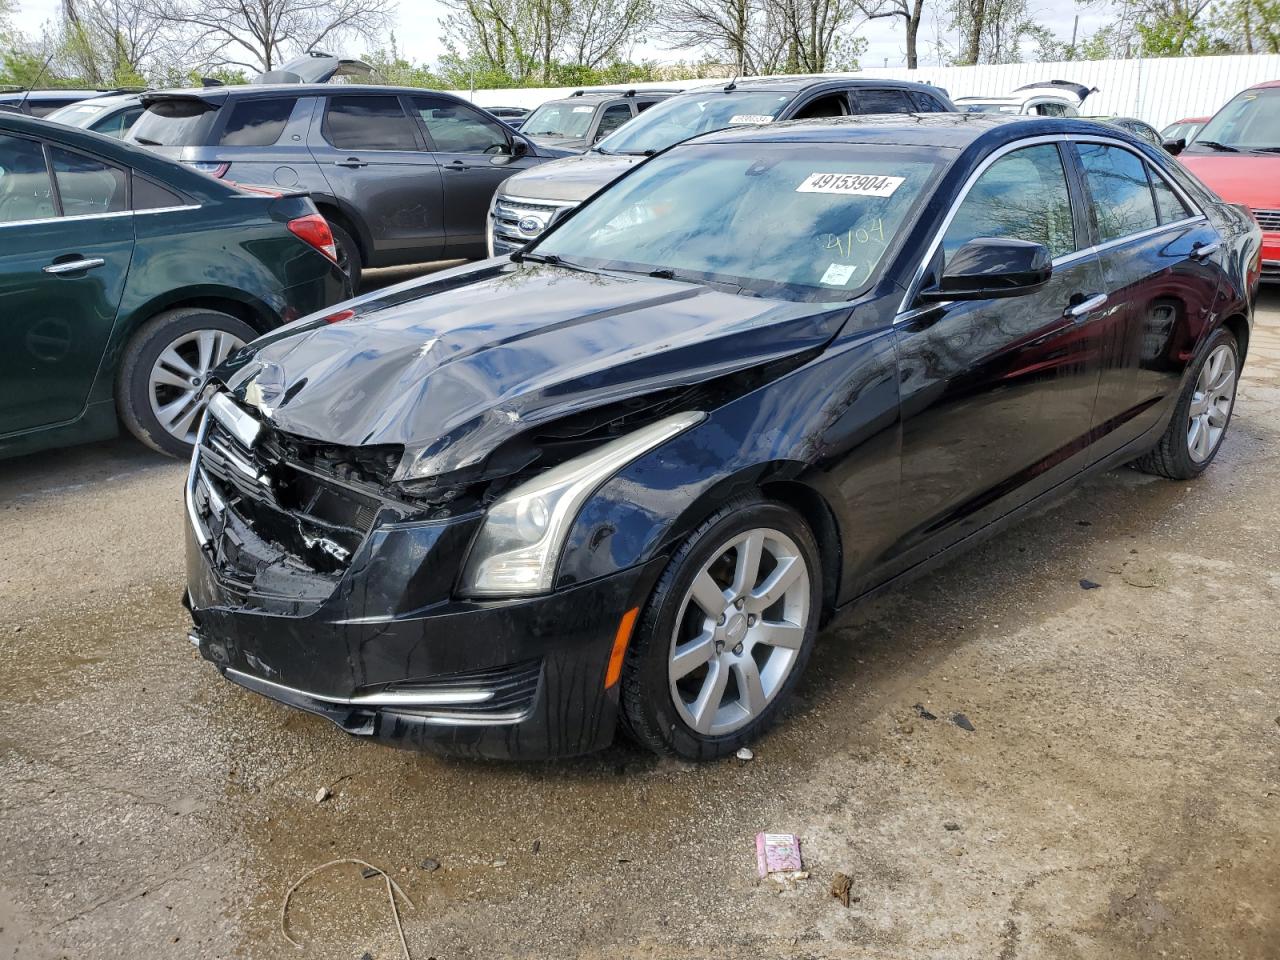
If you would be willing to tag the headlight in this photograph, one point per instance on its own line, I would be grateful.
(519, 542)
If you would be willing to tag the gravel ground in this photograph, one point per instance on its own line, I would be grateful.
(1118, 797)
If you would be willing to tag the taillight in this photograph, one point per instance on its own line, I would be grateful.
(314, 230)
(212, 167)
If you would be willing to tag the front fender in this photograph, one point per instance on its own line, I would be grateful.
(831, 424)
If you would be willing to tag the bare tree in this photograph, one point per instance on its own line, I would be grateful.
(603, 30)
(260, 34)
(908, 11)
(817, 33)
(745, 33)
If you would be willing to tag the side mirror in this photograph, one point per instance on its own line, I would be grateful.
(987, 268)
(1175, 147)
(519, 148)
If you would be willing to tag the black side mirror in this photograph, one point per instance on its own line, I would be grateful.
(987, 268)
(1175, 147)
(519, 148)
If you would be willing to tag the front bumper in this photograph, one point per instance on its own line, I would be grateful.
(381, 647)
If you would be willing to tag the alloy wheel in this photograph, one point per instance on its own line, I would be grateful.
(1211, 403)
(178, 376)
(739, 631)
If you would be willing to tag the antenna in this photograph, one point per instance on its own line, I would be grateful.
(732, 84)
(39, 76)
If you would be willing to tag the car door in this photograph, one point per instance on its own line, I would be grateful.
(997, 395)
(466, 144)
(68, 235)
(378, 166)
(1155, 250)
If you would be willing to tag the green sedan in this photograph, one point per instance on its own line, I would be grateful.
(125, 278)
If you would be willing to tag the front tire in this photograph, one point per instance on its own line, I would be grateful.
(165, 366)
(726, 634)
(1200, 420)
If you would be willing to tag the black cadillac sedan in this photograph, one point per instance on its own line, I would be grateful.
(621, 477)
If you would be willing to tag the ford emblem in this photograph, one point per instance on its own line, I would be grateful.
(529, 225)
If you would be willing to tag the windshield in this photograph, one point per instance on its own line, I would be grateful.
(682, 117)
(760, 218)
(987, 106)
(174, 123)
(1249, 122)
(565, 119)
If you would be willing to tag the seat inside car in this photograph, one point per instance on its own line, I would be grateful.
(832, 105)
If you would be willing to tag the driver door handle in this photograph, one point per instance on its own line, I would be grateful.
(74, 266)
(1202, 251)
(458, 165)
(351, 163)
(1078, 311)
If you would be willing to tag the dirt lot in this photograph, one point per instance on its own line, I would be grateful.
(1119, 796)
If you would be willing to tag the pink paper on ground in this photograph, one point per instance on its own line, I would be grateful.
(777, 853)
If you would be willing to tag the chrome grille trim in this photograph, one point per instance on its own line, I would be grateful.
(1268, 219)
(508, 211)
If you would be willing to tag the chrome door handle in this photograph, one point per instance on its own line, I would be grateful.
(351, 163)
(1085, 307)
(74, 266)
(1201, 251)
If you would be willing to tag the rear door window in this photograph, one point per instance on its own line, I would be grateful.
(1122, 200)
(369, 123)
(882, 101)
(830, 105)
(1168, 204)
(86, 185)
(26, 192)
(256, 123)
(927, 104)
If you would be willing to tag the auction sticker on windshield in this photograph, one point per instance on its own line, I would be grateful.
(851, 184)
(751, 118)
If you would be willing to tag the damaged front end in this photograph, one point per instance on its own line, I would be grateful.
(378, 506)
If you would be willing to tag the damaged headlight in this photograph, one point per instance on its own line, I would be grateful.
(515, 552)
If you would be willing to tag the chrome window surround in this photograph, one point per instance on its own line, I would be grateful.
(98, 216)
(906, 311)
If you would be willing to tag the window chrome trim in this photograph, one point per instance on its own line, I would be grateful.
(98, 216)
(561, 204)
(906, 311)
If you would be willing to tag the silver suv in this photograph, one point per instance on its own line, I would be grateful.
(528, 202)
(587, 116)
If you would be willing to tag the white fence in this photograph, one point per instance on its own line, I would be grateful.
(1158, 91)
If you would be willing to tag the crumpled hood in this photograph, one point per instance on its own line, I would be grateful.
(571, 178)
(452, 374)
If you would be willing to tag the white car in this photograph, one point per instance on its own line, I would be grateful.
(1051, 98)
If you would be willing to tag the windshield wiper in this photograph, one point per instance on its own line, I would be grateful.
(1264, 149)
(1215, 145)
(147, 143)
(633, 153)
(551, 259)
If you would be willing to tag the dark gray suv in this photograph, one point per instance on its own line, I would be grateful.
(403, 175)
(529, 201)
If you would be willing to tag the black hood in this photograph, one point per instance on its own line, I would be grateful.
(452, 367)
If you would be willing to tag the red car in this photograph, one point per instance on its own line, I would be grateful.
(1183, 129)
(1237, 155)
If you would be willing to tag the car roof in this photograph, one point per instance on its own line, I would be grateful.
(801, 83)
(1017, 99)
(296, 89)
(8, 96)
(110, 100)
(1268, 83)
(943, 130)
(615, 93)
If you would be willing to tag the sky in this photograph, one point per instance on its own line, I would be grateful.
(418, 32)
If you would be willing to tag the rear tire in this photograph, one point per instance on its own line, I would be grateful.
(1202, 415)
(163, 371)
(348, 255)
(698, 683)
